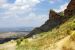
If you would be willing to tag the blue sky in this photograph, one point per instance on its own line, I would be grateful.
(28, 13)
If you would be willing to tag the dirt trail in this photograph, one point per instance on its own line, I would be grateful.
(59, 45)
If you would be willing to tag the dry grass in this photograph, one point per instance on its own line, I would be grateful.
(45, 40)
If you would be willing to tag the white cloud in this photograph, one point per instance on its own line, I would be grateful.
(62, 8)
(21, 4)
(33, 20)
(2, 2)
(54, 1)
(21, 13)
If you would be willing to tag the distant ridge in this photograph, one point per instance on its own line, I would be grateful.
(16, 29)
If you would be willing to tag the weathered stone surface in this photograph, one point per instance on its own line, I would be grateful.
(70, 9)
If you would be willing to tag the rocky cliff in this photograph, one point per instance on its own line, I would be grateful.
(55, 19)
(70, 9)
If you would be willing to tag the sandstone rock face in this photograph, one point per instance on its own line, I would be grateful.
(70, 9)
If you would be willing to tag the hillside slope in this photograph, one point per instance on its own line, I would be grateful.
(55, 19)
(45, 40)
(67, 43)
(61, 36)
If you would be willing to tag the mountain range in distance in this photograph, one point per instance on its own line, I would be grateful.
(17, 29)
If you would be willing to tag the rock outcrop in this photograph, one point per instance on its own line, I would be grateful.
(53, 15)
(55, 19)
(70, 9)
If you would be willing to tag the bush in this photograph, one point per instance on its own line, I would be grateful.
(73, 26)
(18, 41)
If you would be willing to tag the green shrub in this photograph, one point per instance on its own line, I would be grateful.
(73, 26)
(18, 41)
(61, 13)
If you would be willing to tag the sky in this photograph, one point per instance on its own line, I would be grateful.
(28, 13)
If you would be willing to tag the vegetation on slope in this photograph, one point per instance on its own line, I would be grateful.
(46, 39)
(61, 37)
